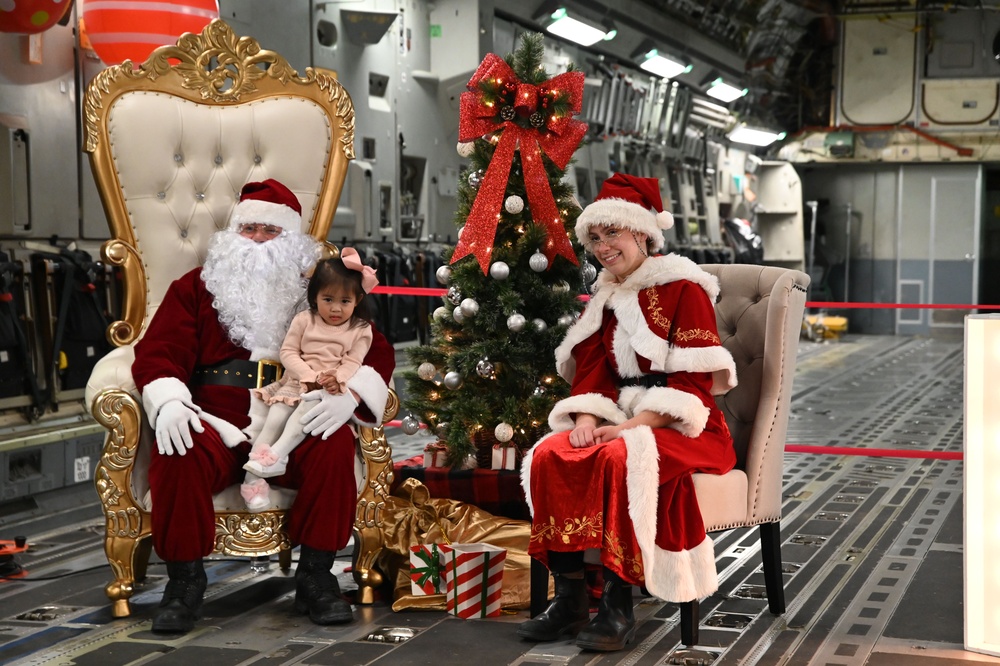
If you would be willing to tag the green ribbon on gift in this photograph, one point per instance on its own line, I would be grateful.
(431, 572)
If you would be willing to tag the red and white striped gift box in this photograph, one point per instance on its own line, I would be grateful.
(474, 578)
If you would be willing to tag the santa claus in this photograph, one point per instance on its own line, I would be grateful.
(229, 315)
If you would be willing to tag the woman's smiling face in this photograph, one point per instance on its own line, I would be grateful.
(620, 251)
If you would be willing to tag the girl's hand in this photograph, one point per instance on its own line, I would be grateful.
(607, 433)
(582, 435)
(310, 386)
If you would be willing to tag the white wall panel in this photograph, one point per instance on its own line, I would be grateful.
(877, 76)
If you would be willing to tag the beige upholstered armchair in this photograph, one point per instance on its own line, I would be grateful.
(759, 315)
(171, 144)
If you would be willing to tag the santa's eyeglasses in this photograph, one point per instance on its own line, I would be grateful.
(249, 229)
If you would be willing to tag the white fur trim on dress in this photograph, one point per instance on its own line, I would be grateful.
(688, 408)
(372, 390)
(671, 576)
(255, 211)
(716, 360)
(161, 391)
(562, 416)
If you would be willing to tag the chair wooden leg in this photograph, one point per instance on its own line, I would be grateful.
(689, 622)
(539, 587)
(285, 559)
(770, 552)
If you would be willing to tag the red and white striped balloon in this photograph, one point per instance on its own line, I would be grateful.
(121, 30)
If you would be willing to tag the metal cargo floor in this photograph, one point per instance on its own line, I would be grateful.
(872, 551)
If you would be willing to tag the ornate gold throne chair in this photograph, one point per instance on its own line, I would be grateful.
(171, 144)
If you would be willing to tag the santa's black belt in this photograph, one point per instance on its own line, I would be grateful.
(239, 373)
(649, 381)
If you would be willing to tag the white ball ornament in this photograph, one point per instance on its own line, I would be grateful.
(440, 313)
(539, 324)
(503, 432)
(469, 307)
(516, 322)
(499, 270)
(426, 371)
(465, 148)
(566, 320)
(538, 262)
(460, 230)
(443, 274)
(514, 204)
(457, 315)
(410, 424)
(452, 380)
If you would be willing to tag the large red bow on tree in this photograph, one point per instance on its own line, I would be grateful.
(557, 136)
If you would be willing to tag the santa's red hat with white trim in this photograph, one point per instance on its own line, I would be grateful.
(627, 202)
(267, 202)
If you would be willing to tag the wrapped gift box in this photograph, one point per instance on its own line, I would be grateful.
(504, 456)
(435, 455)
(427, 570)
(474, 578)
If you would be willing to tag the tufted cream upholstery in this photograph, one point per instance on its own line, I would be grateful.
(171, 144)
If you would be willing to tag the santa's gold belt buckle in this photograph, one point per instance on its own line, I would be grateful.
(262, 365)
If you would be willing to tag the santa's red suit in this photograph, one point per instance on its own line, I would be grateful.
(185, 335)
(633, 498)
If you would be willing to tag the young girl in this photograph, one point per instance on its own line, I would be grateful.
(324, 347)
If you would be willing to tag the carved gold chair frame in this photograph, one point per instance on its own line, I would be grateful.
(204, 79)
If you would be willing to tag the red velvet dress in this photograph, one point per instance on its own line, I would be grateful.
(633, 498)
(186, 333)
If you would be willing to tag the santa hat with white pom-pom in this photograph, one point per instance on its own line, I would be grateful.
(627, 202)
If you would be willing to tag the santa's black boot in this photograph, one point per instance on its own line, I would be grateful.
(614, 624)
(182, 598)
(568, 611)
(316, 590)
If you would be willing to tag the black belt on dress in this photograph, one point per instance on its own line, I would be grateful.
(239, 373)
(649, 381)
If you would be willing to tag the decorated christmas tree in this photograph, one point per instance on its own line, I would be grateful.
(488, 376)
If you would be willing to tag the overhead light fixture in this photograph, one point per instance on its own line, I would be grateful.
(565, 26)
(610, 29)
(754, 137)
(723, 91)
(663, 66)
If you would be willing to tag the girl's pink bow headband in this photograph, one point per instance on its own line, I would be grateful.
(352, 260)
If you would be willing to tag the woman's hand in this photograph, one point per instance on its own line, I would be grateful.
(582, 435)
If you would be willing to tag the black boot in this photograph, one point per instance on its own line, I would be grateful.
(316, 590)
(614, 624)
(568, 611)
(182, 598)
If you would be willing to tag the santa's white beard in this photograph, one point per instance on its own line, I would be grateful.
(258, 287)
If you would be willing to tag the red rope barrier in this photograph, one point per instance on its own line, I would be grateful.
(874, 453)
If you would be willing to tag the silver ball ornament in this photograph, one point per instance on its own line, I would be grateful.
(410, 424)
(454, 295)
(442, 429)
(560, 287)
(514, 204)
(469, 307)
(503, 432)
(475, 179)
(440, 313)
(426, 371)
(539, 324)
(443, 274)
(589, 272)
(499, 270)
(484, 368)
(457, 314)
(538, 262)
(465, 148)
(566, 320)
(539, 390)
(452, 380)
(515, 322)
(460, 230)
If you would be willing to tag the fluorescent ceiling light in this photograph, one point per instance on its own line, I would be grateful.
(663, 66)
(565, 26)
(724, 92)
(754, 137)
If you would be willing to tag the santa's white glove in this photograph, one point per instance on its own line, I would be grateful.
(174, 424)
(329, 414)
